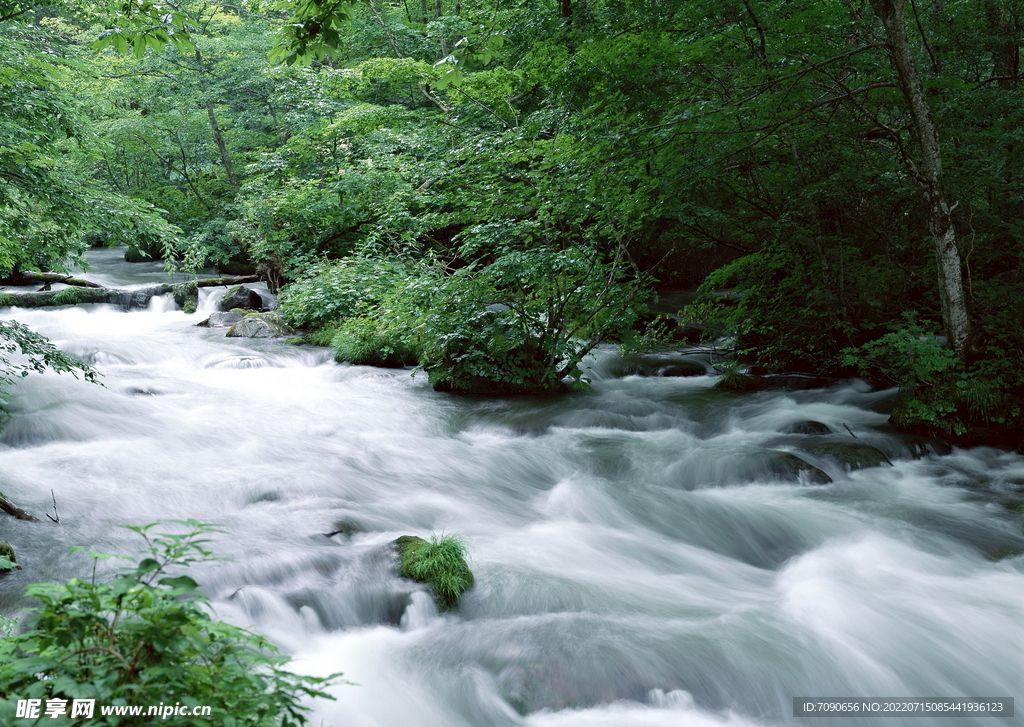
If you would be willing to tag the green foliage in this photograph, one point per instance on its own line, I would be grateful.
(372, 342)
(352, 287)
(440, 563)
(910, 355)
(938, 391)
(147, 636)
(8, 561)
(525, 322)
(518, 325)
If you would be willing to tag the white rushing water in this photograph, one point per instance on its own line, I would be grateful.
(637, 562)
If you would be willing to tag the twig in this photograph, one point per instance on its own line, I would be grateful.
(56, 516)
(849, 430)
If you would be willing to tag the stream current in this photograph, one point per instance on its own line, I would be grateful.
(636, 563)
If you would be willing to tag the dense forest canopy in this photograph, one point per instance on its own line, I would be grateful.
(490, 189)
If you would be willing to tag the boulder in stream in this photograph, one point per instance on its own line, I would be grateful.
(735, 381)
(135, 255)
(241, 297)
(6, 551)
(788, 467)
(260, 325)
(851, 455)
(439, 563)
(807, 426)
(222, 319)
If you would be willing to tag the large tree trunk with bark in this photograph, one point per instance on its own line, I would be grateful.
(929, 176)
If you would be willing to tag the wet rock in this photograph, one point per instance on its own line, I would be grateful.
(8, 552)
(735, 381)
(260, 325)
(650, 366)
(808, 426)
(222, 319)
(135, 255)
(241, 297)
(683, 368)
(790, 468)
(852, 455)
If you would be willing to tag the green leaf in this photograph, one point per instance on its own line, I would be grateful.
(182, 582)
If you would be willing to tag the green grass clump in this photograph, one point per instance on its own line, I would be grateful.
(440, 563)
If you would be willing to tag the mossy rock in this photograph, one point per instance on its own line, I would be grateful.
(735, 381)
(241, 297)
(439, 563)
(807, 426)
(135, 255)
(6, 551)
(260, 325)
(853, 455)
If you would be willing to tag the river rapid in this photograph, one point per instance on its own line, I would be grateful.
(636, 563)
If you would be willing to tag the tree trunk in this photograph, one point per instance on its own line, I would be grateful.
(30, 278)
(218, 137)
(929, 176)
(1005, 51)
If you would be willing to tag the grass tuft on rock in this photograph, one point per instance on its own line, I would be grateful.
(440, 563)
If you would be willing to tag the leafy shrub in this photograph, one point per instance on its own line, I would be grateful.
(938, 391)
(147, 636)
(440, 563)
(519, 325)
(525, 322)
(349, 288)
(372, 342)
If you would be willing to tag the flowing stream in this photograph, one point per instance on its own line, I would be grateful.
(639, 559)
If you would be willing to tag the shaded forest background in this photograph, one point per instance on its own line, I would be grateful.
(490, 189)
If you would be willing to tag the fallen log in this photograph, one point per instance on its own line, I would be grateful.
(125, 298)
(31, 278)
(13, 510)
